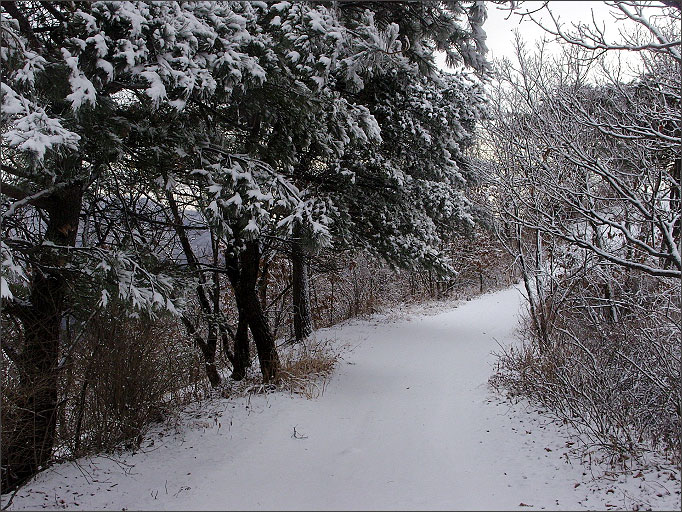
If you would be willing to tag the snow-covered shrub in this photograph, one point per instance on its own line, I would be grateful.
(611, 366)
(586, 164)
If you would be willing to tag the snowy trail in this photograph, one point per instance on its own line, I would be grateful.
(407, 422)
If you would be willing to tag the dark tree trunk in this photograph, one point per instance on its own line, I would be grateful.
(210, 305)
(303, 324)
(263, 284)
(242, 358)
(243, 275)
(28, 448)
(208, 350)
(263, 339)
(207, 347)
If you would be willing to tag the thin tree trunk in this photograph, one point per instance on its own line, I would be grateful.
(533, 302)
(242, 358)
(208, 350)
(303, 324)
(263, 283)
(676, 206)
(210, 306)
(331, 300)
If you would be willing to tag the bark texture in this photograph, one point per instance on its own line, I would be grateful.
(28, 447)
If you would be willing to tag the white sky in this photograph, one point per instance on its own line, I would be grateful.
(500, 25)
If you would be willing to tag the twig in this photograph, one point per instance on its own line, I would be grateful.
(296, 435)
(11, 498)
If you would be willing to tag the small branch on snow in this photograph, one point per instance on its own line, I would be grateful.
(297, 435)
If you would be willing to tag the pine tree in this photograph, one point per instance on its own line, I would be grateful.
(121, 120)
(400, 191)
(80, 85)
(326, 132)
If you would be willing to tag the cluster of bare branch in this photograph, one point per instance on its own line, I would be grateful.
(587, 170)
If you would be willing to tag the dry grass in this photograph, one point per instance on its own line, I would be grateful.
(307, 366)
(305, 369)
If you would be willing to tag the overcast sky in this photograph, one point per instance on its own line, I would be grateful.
(500, 25)
(500, 30)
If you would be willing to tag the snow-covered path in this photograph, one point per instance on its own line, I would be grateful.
(407, 422)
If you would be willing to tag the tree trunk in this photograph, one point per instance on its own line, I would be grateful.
(676, 200)
(303, 324)
(210, 306)
(243, 274)
(263, 283)
(242, 358)
(534, 303)
(263, 339)
(208, 350)
(28, 448)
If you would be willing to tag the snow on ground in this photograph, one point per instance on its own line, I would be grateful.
(406, 422)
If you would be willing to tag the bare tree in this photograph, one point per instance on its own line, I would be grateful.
(585, 158)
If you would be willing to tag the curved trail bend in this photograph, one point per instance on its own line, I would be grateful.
(407, 422)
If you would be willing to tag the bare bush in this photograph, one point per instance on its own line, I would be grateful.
(349, 285)
(586, 178)
(127, 374)
(611, 365)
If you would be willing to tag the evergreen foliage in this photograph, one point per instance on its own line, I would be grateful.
(130, 127)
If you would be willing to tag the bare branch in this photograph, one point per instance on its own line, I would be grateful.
(24, 25)
(39, 199)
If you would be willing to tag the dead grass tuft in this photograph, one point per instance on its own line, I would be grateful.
(307, 366)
